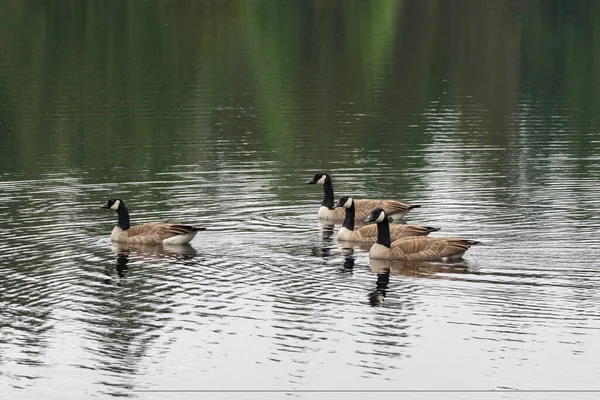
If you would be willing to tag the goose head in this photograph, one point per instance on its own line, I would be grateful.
(345, 201)
(377, 215)
(113, 204)
(318, 179)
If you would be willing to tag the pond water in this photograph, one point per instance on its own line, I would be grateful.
(216, 113)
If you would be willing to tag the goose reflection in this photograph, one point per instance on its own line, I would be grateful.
(349, 260)
(363, 246)
(414, 269)
(418, 269)
(377, 296)
(121, 269)
(124, 324)
(326, 234)
(145, 251)
(177, 251)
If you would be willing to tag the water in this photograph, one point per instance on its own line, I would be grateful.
(216, 113)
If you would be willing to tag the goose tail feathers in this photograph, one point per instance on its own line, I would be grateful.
(192, 228)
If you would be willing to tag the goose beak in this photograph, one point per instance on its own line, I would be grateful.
(104, 206)
(311, 181)
(370, 218)
(337, 204)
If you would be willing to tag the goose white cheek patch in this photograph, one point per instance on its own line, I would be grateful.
(348, 202)
(322, 180)
(115, 206)
(381, 217)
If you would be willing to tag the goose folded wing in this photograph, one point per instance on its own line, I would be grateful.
(418, 248)
(365, 206)
(401, 230)
(427, 248)
(158, 229)
(394, 207)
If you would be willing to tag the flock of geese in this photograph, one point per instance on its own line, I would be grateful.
(391, 241)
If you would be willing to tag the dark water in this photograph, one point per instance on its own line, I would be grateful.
(216, 113)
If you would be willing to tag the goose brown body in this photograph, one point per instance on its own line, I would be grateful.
(421, 248)
(363, 207)
(155, 233)
(416, 248)
(149, 233)
(368, 233)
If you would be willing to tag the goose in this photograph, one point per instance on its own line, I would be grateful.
(417, 248)
(368, 233)
(363, 207)
(149, 233)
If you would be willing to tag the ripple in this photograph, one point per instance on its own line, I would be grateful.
(266, 273)
(267, 291)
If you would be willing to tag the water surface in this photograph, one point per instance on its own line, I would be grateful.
(216, 113)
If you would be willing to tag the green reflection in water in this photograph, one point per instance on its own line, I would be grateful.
(102, 85)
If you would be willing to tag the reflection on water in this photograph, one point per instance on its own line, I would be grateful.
(377, 296)
(418, 268)
(121, 269)
(221, 122)
(180, 252)
(173, 251)
(349, 261)
(413, 269)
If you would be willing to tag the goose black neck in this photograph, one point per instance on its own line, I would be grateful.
(123, 217)
(328, 193)
(349, 218)
(383, 233)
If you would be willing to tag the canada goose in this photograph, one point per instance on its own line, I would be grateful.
(417, 248)
(395, 209)
(368, 233)
(149, 233)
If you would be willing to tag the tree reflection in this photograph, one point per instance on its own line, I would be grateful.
(156, 75)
